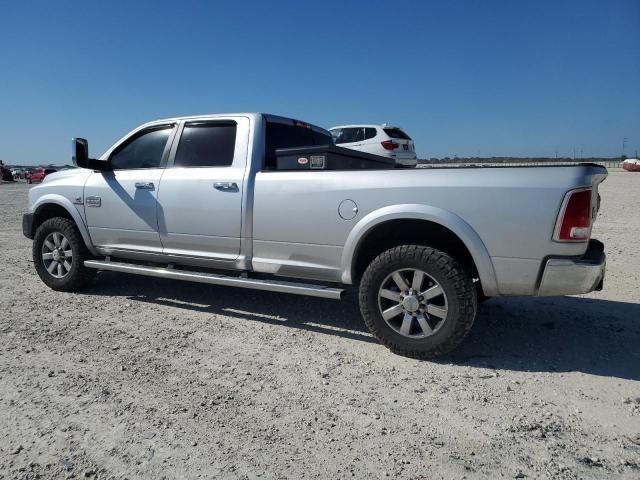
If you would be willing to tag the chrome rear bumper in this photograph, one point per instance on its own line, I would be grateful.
(571, 276)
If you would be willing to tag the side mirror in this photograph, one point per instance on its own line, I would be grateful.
(80, 152)
(80, 156)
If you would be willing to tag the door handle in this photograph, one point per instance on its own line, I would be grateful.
(226, 186)
(144, 185)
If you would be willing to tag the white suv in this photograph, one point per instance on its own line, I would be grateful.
(382, 140)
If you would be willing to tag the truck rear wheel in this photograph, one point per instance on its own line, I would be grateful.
(417, 301)
(59, 254)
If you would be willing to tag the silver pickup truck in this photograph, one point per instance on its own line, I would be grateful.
(265, 202)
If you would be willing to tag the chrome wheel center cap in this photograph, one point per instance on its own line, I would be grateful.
(56, 255)
(411, 303)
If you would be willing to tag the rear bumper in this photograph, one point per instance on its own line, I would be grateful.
(27, 225)
(571, 276)
(406, 161)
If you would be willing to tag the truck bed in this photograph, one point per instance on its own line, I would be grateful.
(298, 230)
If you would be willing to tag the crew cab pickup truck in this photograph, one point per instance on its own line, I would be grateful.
(265, 202)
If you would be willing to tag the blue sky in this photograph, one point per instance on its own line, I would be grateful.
(462, 77)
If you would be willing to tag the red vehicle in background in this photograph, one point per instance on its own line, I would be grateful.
(39, 173)
(631, 165)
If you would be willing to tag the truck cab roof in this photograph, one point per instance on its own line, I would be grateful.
(252, 115)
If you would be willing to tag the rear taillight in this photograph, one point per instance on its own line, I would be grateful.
(389, 145)
(574, 221)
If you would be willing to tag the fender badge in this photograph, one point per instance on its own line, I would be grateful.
(93, 201)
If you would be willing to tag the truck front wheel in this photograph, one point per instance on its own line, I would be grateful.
(59, 254)
(417, 301)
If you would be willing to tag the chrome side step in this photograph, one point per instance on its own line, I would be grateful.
(217, 279)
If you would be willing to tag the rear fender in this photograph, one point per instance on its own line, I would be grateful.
(457, 225)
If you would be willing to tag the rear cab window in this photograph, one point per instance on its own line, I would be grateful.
(290, 135)
(396, 133)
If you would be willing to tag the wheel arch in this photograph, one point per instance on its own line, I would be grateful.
(436, 227)
(49, 206)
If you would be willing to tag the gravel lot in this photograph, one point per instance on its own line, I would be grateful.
(145, 378)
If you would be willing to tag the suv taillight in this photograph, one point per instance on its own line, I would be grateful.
(389, 145)
(574, 221)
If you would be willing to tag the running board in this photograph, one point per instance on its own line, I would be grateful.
(307, 289)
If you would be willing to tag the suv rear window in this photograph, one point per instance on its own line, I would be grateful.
(396, 133)
(280, 135)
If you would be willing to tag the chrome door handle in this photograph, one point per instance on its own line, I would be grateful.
(226, 186)
(144, 185)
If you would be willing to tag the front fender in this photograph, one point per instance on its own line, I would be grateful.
(73, 211)
(453, 222)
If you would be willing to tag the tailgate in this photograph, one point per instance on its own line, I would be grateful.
(598, 175)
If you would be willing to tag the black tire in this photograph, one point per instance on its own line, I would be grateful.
(453, 279)
(78, 276)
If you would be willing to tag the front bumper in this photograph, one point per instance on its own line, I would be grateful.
(571, 276)
(27, 225)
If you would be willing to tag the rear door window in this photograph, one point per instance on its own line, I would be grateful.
(350, 135)
(208, 144)
(396, 133)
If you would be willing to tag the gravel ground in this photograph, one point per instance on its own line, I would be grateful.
(146, 378)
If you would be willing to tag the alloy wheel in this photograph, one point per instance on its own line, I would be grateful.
(412, 303)
(57, 255)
